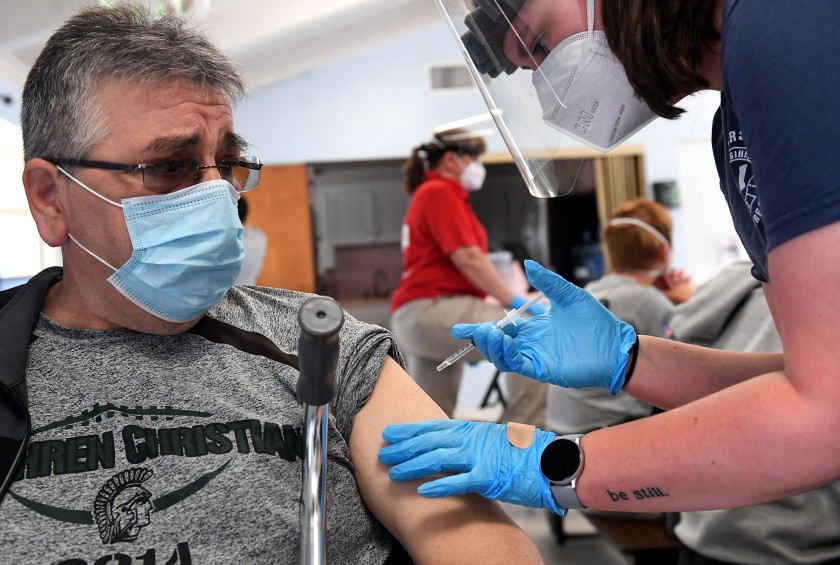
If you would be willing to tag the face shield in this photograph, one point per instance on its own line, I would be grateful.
(549, 80)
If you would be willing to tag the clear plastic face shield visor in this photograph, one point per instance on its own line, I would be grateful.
(550, 81)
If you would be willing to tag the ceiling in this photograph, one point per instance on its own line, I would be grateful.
(272, 40)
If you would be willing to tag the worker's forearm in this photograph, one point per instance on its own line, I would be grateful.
(756, 441)
(669, 374)
(477, 268)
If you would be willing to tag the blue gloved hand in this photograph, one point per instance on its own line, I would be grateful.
(479, 452)
(535, 309)
(578, 344)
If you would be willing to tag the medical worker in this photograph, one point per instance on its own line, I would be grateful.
(446, 273)
(740, 428)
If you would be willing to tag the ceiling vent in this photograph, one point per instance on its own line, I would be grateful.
(448, 77)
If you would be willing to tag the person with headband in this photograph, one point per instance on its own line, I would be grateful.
(641, 289)
(738, 428)
(637, 240)
(447, 273)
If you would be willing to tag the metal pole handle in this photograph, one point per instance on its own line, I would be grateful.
(320, 320)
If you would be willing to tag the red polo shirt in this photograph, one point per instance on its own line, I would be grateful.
(439, 220)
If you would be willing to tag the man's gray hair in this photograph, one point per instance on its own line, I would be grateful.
(61, 115)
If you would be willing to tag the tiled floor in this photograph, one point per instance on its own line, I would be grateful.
(583, 546)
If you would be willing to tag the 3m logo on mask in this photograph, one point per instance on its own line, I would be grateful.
(584, 121)
(582, 77)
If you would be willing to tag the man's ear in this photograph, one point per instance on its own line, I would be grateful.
(665, 254)
(40, 179)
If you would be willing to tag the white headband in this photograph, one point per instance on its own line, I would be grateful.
(644, 225)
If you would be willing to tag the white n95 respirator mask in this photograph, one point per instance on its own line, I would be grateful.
(584, 92)
(473, 175)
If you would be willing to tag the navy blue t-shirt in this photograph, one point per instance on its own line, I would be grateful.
(777, 133)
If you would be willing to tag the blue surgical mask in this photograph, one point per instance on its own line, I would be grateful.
(187, 249)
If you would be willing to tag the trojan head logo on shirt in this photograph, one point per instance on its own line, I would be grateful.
(123, 507)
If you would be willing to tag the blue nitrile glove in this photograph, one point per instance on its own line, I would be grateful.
(535, 309)
(578, 344)
(479, 452)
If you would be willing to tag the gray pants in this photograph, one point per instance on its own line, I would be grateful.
(421, 328)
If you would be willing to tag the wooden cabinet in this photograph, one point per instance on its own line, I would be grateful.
(280, 207)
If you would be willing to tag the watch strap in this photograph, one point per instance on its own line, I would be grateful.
(565, 496)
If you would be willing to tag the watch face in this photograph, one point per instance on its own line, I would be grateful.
(560, 460)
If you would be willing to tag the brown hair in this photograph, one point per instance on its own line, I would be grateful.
(427, 157)
(630, 247)
(660, 44)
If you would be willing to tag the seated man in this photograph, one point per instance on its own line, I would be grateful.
(132, 425)
(640, 289)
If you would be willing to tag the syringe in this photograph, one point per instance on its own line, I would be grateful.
(509, 318)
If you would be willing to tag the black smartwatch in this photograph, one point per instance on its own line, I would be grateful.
(561, 463)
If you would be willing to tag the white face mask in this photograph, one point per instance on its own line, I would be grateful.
(473, 175)
(584, 92)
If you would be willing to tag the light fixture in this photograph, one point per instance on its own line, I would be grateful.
(463, 122)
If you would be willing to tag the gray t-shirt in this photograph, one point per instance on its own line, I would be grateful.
(645, 308)
(174, 449)
(730, 312)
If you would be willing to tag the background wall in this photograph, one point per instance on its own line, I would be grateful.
(374, 105)
(22, 253)
(378, 105)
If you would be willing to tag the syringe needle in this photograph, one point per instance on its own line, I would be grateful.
(456, 356)
(510, 317)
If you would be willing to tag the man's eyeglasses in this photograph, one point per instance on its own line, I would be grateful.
(242, 172)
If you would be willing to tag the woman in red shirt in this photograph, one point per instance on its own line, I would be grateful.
(446, 274)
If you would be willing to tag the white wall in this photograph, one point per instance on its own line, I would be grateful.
(370, 106)
(22, 253)
(10, 102)
(713, 242)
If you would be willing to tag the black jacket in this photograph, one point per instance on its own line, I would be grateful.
(20, 308)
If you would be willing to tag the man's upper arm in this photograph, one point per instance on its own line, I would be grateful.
(444, 530)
